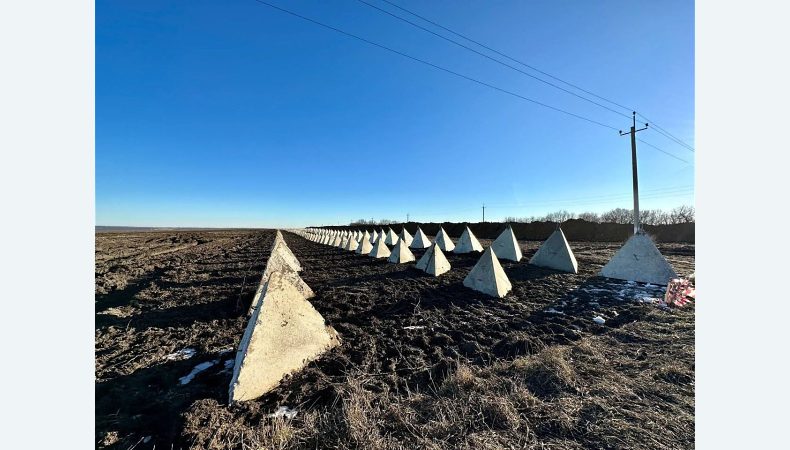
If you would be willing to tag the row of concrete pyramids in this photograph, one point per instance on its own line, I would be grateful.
(638, 260)
(284, 331)
(486, 276)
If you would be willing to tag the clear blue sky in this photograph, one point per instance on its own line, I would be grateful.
(230, 113)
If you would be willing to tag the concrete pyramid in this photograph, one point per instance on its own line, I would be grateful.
(343, 242)
(401, 253)
(506, 246)
(488, 277)
(374, 237)
(282, 248)
(392, 238)
(365, 247)
(433, 262)
(444, 241)
(556, 254)
(366, 236)
(351, 245)
(323, 240)
(336, 241)
(420, 240)
(380, 250)
(639, 260)
(468, 243)
(282, 336)
(404, 234)
(278, 262)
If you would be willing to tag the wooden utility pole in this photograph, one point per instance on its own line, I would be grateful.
(637, 228)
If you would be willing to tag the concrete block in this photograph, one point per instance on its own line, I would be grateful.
(468, 243)
(556, 253)
(639, 260)
(506, 246)
(443, 241)
(401, 253)
(380, 249)
(488, 277)
(282, 336)
(420, 240)
(433, 262)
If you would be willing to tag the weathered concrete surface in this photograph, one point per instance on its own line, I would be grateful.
(468, 243)
(392, 238)
(380, 249)
(344, 242)
(433, 262)
(283, 335)
(366, 236)
(444, 241)
(401, 253)
(374, 237)
(278, 263)
(488, 277)
(351, 245)
(336, 241)
(364, 248)
(506, 246)
(639, 260)
(404, 234)
(555, 253)
(420, 240)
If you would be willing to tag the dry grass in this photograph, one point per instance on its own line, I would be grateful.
(632, 388)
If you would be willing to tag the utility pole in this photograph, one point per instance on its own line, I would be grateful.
(407, 217)
(484, 213)
(637, 228)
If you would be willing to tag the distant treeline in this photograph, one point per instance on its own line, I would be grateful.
(680, 214)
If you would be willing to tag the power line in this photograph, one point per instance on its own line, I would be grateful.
(669, 135)
(507, 56)
(493, 59)
(662, 151)
(422, 61)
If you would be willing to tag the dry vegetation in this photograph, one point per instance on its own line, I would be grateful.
(426, 363)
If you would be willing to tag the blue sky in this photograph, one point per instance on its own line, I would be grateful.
(234, 114)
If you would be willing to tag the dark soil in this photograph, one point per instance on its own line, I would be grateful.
(425, 362)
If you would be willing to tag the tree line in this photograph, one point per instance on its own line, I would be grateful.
(680, 214)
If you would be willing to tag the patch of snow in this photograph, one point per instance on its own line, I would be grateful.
(199, 368)
(184, 353)
(284, 411)
(599, 320)
(147, 438)
(414, 327)
(553, 311)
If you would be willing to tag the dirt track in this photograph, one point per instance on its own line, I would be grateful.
(403, 332)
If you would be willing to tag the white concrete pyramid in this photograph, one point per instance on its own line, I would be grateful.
(506, 246)
(344, 242)
(420, 240)
(444, 241)
(282, 336)
(404, 234)
(555, 253)
(366, 236)
(365, 247)
(392, 238)
(374, 237)
(488, 277)
(281, 247)
(401, 253)
(279, 262)
(351, 245)
(380, 249)
(433, 262)
(468, 243)
(639, 260)
(336, 241)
